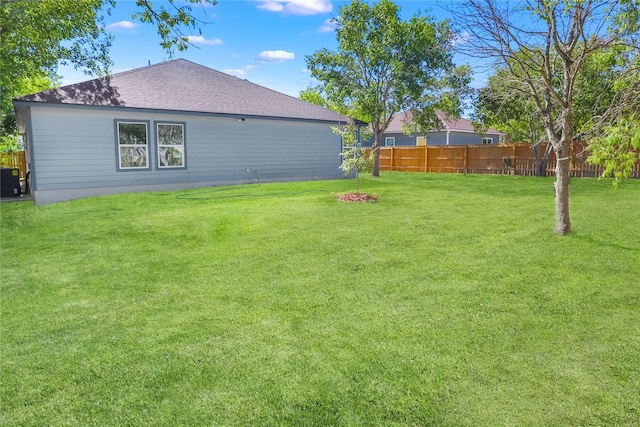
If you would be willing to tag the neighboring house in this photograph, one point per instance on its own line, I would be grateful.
(172, 125)
(452, 132)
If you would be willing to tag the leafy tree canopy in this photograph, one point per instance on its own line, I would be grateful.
(505, 102)
(37, 36)
(500, 105)
(546, 47)
(614, 136)
(384, 65)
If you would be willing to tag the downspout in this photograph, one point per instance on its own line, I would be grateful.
(448, 133)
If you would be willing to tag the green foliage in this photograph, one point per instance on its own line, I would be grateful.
(614, 136)
(355, 158)
(550, 61)
(22, 86)
(37, 36)
(384, 65)
(314, 96)
(9, 143)
(170, 20)
(617, 149)
(504, 105)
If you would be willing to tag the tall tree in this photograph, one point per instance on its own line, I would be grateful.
(505, 104)
(502, 106)
(37, 36)
(544, 45)
(384, 65)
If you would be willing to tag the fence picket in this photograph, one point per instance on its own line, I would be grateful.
(15, 159)
(485, 159)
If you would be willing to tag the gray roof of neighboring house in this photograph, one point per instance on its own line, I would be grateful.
(459, 125)
(181, 85)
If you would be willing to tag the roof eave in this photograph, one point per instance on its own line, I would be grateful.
(24, 103)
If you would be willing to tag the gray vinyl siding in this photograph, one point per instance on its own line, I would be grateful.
(440, 138)
(463, 138)
(75, 148)
(437, 138)
(401, 139)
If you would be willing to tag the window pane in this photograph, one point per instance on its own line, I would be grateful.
(171, 156)
(132, 133)
(133, 157)
(170, 135)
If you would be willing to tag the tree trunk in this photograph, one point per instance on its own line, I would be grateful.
(541, 163)
(563, 223)
(375, 169)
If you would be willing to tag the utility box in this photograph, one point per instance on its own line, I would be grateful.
(10, 182)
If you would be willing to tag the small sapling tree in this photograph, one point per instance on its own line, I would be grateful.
(355, 158)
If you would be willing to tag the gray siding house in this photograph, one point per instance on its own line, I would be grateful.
(452, 132)
(172, 125)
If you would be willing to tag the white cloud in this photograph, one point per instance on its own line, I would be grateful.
(122, 25)
(308, 7)
(328, 26)
(297, 7)
(202, 40)
(274, 56)
(239, 71)
(462, 38)
(235, 71)
(271, 6)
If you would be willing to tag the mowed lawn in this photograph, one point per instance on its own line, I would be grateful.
(449, 302)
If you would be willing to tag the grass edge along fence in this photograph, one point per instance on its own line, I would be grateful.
(502, 159)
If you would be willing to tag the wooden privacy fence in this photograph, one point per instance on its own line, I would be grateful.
(15, 159)
(507, 159)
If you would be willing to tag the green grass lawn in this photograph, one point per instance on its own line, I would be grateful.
(449, 302)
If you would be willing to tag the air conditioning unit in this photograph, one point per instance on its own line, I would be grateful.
(10, 182)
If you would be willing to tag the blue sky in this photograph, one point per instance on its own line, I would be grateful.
(264, 42)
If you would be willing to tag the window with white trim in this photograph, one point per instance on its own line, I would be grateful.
(133, 145)
(170, 138)
(487, 140)
(421, 140)
(390, 141)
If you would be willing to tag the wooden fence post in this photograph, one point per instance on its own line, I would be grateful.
(466, 149)
(426, 158)
(426, 151)
(392, 156)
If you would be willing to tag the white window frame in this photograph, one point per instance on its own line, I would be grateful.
(392, 139)
(120, 146)
(487, 140)
(159, 145)
(423, 138)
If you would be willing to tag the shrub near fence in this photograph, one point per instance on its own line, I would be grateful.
(506, 159)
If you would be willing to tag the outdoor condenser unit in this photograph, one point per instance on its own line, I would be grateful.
(10, 182)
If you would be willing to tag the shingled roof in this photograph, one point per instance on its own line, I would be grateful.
(459, 125)
(181, 85)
